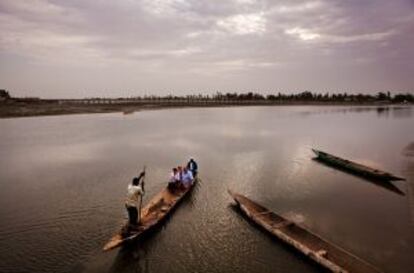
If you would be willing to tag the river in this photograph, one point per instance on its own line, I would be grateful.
(63, 181)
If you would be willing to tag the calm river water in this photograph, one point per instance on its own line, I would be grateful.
(63, 180)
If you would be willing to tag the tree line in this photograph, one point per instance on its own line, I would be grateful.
(302, 96)
(305, 96)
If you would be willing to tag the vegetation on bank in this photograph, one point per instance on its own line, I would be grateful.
(318, 97)
(4, 95)
(306, 96)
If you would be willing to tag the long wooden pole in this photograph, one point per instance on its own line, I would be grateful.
(140, 201)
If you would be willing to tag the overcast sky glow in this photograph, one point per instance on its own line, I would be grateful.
(83, 48)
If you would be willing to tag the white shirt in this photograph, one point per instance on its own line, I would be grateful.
(177, 176)
(172, 177)
(134, 195)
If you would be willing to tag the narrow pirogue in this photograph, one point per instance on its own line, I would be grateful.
(326, 254)
(354, 167)
(153, 213)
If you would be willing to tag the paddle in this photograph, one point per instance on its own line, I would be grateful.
(143, 189)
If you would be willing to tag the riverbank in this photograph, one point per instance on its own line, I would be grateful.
(47, 108)
(51, 109)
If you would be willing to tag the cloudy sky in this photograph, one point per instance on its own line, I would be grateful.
(79, 48)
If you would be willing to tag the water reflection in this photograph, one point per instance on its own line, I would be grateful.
(402, 112)
(388, 185)
(132, 258)
(396, 112)
(386, 111)
(409, 150)
(383, 111)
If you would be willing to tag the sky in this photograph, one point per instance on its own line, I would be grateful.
(88, 48)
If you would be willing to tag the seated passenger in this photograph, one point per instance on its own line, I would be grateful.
(174, 179)
(187, 178)
(179, 173)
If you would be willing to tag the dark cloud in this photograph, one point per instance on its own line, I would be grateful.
(56, 48)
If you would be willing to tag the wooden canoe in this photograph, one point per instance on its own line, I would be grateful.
(355, 167)
(153, 213)
(326, 254)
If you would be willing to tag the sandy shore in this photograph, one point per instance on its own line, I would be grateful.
(47, 109)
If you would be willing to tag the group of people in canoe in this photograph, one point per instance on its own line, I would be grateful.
(180, 178)
(183, 177)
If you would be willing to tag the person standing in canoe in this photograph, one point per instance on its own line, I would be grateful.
(133, 199)
(192, 166)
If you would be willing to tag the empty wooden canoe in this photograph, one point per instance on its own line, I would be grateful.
(354, 167)
(319, 250)
(153, 213)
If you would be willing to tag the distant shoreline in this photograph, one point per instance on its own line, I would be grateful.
(45, 108)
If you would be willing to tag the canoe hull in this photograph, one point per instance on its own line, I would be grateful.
(153, 214)
(326, 254)
(354, 167)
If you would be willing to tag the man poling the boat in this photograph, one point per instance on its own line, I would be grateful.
(134, 199)
(154, 212)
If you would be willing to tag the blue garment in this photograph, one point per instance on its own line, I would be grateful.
(187, 178)
(192, 166)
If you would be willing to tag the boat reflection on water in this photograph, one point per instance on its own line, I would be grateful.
(132, 258)
(380, 183)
